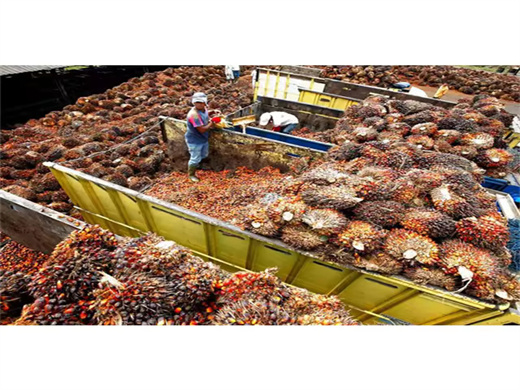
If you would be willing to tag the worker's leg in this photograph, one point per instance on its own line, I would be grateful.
(205, 158)
(289, 128)
(196, 151)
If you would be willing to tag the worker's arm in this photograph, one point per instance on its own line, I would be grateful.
(203, 129)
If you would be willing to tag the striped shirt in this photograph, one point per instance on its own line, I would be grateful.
(196, 119)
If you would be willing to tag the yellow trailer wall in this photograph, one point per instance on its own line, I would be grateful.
(371, 297)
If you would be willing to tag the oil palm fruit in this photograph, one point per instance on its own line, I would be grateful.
(325, 221)
(386, 214)
(428, 222)
(362, 237)
(411, 246)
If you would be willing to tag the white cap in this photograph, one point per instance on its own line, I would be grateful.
(265, 118)
(199, 97)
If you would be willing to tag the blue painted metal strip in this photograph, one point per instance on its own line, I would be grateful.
(285, 138)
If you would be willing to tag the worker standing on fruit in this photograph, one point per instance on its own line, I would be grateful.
(280, 121)
(197, 134)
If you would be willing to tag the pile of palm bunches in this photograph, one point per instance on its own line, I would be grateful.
(472, 129)
(93, 278)
(262, 299)
(63, 288)
(17, 264)
(381, 207)
(467, 81)
(102, 122)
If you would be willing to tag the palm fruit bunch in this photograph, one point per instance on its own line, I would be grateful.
(428, 129)
(257, 220)
(346, 151)
(434, 276)
(315, 309)
(425, 180)
(466, 151)
(375, 151)
(340, 197)
(375, 122)
(370, 110)
(446, 200)
(63, 287)
(248, 298)
(485, 231)
(302, 237)
(421, 141)
(410, 246)
(324, 175)
(362, 237)
(386, 214)
(399, 160)
(389, 137)
(402, 190)
(17, 265)
(400, 128)
(458, 176)
(492, 158)
(378, 262)
(449, 136)
(395, 117)
(286, 210)
(478, 140)
(428, 222)
(442, 146)
(325, 221)
(485, 277)
(133, 300)
(364, 134)
(191, 283)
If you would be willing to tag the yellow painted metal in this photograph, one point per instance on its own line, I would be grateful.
(257, 85)
(266, 83)
(325, 100)
(276, 84)
(287, 81)
(373, 297)
(512, 138)
(509, 317)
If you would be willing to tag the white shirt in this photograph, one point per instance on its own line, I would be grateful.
(417, 92)
(283, 118)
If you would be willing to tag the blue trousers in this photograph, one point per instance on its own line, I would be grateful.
(197, 153)
(287, 129)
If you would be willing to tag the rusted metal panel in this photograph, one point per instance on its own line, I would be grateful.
(32, 225)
